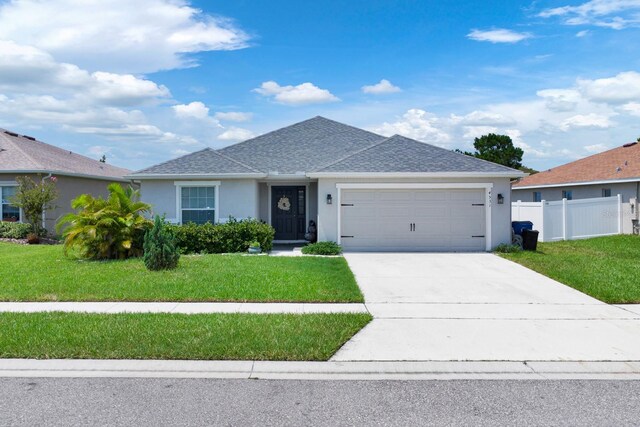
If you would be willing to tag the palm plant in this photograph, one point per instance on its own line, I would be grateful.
(111, 228)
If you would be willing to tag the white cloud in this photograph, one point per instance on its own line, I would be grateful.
(28, 69)
(236, 134)
(383, 87)
(471, 132)
(583, 33)
(596, 148)
(233, 116)
(632, 108)
(482, 118)
(591, 120)
(498, 35)
(615, 14)
(193, 110)
(305, 93)
(119, 35)
(624, 87)
(417, 124)
(560, 99)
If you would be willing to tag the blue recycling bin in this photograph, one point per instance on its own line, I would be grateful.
(518, 226)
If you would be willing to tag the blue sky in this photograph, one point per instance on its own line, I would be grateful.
(149, 80)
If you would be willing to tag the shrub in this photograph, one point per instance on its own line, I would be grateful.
(228, 237)
(322, 248)
(160, 251)
(507, 249)
(14, 230)
(111, 228)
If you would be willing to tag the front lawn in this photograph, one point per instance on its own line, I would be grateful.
(43, 273)
(607, 268)
(176, 336)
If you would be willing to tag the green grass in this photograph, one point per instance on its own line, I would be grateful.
(607, 268)
(43, 273)
(176, 336)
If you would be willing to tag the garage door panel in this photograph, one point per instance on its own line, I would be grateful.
(445, 220)
(430, 196)
(394, 196)
(358, 196)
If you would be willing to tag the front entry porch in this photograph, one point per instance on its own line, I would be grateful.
(289, 212)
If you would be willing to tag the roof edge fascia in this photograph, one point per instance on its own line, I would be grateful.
(514, 174)
(195, 176)
(574, 183)
(63, 173)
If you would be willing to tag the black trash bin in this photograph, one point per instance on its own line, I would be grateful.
(529, 240)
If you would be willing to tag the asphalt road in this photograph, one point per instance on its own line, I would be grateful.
(158, 402)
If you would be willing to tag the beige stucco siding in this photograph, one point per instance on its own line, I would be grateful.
(69, 188)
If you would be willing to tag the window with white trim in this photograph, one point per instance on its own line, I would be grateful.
(198, 204)
(8, 212)
(567, 194)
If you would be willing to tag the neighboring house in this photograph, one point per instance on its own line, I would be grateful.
(607, 174)
(22, 155)
(365, 191)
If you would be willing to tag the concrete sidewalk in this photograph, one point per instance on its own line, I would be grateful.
(540, 370)
(181, 307)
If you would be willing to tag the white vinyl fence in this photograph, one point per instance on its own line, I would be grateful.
(571, 219)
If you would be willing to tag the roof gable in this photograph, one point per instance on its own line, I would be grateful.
(21, 153)
(618, 163)
(401, 154)
(301, 147)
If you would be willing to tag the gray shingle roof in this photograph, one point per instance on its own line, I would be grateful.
(207, 161)
(323, 145)
(20, 153)
(301, 147)
(400, 154)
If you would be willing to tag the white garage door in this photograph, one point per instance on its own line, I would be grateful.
(413, 220)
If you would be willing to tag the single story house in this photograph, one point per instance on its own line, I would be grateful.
(363, 190)
(22, 155)
(606, 174)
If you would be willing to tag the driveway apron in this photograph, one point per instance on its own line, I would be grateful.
(463, 306)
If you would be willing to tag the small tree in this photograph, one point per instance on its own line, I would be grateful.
(34, 198)
(111, 228)
(160, 252)
(498, 149)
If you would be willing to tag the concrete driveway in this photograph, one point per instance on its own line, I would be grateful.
(480, 307)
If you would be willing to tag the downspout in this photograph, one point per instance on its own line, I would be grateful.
(44, 212)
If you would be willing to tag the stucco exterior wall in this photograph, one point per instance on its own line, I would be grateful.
(69, 188)
(627, 190)
(500, 214)
(238, 198)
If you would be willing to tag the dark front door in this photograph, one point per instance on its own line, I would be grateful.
(288, 212)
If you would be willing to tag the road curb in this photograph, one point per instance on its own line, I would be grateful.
(427, 370)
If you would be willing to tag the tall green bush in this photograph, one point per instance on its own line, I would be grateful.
(160, 252)
(111, 228)
(231, 236)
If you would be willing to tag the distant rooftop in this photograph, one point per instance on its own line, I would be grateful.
(619, 163)
(23, 153)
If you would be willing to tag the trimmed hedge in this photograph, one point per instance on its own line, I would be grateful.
(15, 230)
(228, 237)
(322, 248)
